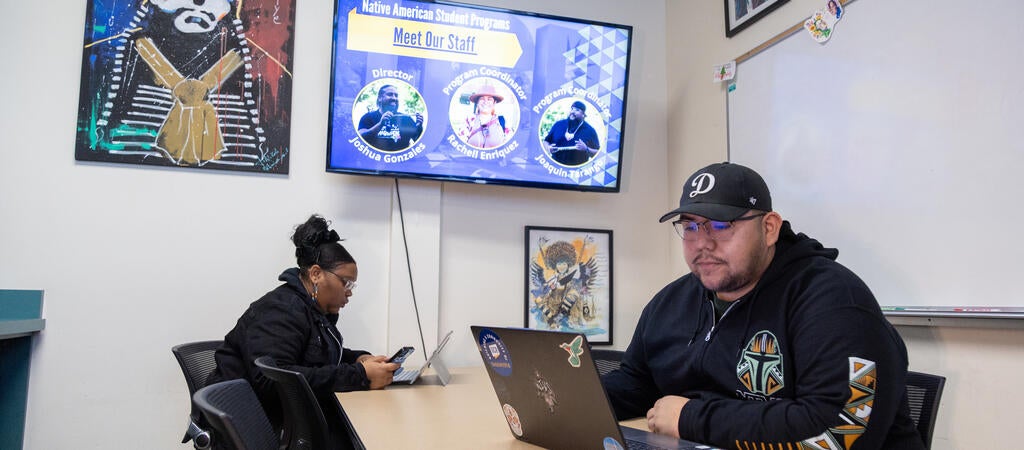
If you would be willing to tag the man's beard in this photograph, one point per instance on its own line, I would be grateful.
(737, 276)
(730, 283)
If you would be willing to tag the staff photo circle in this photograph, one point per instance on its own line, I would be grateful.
(572, 131)
(389, 115)
(484, 113)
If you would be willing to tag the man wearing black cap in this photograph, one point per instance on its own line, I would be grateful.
(768, 342)
(572, 141)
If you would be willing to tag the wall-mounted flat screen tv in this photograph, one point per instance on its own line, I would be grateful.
(457, 92)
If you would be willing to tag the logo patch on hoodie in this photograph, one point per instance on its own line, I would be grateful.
(760, 366)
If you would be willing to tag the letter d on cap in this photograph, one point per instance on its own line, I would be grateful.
(699, 183)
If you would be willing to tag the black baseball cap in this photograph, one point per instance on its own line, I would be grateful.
(722, 191)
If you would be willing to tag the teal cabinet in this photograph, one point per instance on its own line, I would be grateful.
(20, 318)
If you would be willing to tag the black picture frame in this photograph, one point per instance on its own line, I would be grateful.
(577, 296)
(130, 110)
(740, 14)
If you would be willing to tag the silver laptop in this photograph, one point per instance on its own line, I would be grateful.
(551, 394)
(409, 376)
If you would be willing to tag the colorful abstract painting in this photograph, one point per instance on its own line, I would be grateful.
(185, 83)
(569, 281)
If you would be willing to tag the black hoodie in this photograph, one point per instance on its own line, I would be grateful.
(286, 325)
(806, 358)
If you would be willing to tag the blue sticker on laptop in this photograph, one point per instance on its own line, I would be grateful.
(611, 444)
(495, 352)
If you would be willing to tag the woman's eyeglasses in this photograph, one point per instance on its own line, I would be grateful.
(349, 284)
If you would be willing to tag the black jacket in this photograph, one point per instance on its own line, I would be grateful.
(806, 356)
(286, 325)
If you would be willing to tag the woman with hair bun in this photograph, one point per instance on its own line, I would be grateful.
(296, 324)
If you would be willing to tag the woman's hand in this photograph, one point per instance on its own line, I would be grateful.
(378, 370)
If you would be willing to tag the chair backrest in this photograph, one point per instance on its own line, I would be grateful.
(606, 360)
(234, 412)
(197, 363)
(923, 394)
(305, 423)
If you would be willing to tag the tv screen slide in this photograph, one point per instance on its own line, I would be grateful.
(457, 92)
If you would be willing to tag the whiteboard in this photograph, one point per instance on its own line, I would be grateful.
(899, 143)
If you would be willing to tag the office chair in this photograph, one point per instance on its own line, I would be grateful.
(606, 360)
(923, 394)
(233, 411)
(305, 423)
(197, 363)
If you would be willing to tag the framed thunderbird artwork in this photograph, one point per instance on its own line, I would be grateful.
(569, 281)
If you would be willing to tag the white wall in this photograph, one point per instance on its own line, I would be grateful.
(979, 407)
(135, 260)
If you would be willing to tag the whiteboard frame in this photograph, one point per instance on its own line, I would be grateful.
(966, 316)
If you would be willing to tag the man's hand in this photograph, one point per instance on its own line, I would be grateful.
(663, 418)
(380, 372)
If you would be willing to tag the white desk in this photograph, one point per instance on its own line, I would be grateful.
(463, 415)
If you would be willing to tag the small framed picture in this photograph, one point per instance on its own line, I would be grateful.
(569, 281)
(739, 14)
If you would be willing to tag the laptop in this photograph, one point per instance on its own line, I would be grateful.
(409, 376)
(551, 394)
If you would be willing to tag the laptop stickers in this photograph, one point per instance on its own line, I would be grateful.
(611, 444)
(513, 419)
(575, 349)
(495, 352)
(550, 393)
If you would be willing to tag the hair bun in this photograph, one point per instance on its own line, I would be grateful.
(320, 237)
(329, 236)
(310, 236)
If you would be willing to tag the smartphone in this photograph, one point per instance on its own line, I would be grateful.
(400, 355)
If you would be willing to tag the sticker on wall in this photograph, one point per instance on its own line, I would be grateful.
(822, 24)
(835, 9)
(495, 352)
(819, 27)
(611, 444)
(575, 349)
(725, 72)
(512, 416)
